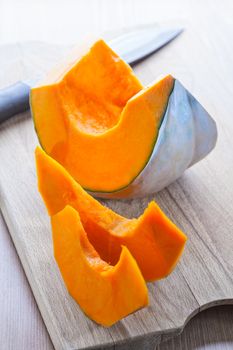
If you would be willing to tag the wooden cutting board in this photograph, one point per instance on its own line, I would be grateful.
(200, 203)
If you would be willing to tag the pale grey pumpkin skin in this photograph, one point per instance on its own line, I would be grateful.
(186, 135)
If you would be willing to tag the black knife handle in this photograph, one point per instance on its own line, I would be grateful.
(14, 99)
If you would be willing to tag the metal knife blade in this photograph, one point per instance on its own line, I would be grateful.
(135, 45)
(132, 46)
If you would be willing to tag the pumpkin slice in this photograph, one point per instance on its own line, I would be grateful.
(105, 293)
(93, 116)
(154, 241)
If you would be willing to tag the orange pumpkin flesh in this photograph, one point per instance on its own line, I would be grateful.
(154, 241)
(105, 293)
(94, 117)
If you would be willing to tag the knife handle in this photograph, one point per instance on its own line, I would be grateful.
(14, 99)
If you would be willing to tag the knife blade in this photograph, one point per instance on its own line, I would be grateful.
(132, 46)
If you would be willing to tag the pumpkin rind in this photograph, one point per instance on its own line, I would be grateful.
(105, 293)
(187, 134)
(154, 241)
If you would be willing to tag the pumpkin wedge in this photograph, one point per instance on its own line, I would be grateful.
(95, 118)
(154, 241)
(105, 293)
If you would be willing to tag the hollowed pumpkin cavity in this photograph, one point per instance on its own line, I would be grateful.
(95, 118)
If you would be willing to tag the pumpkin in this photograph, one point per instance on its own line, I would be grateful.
(153, 240)
(105, 293)
(95, 118)
(116, 138)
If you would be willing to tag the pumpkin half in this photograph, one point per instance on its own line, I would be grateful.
(105, 293)
(95, 118)
(154, 241)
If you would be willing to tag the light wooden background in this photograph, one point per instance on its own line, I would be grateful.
(21, 326)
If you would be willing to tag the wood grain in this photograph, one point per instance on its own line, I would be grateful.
(199, 202)
(21, 325)
(209, 330)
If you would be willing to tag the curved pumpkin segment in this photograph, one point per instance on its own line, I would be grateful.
(153, 239)
(105, 293)
(94, 118)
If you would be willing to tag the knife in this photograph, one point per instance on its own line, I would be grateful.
(132, 46)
